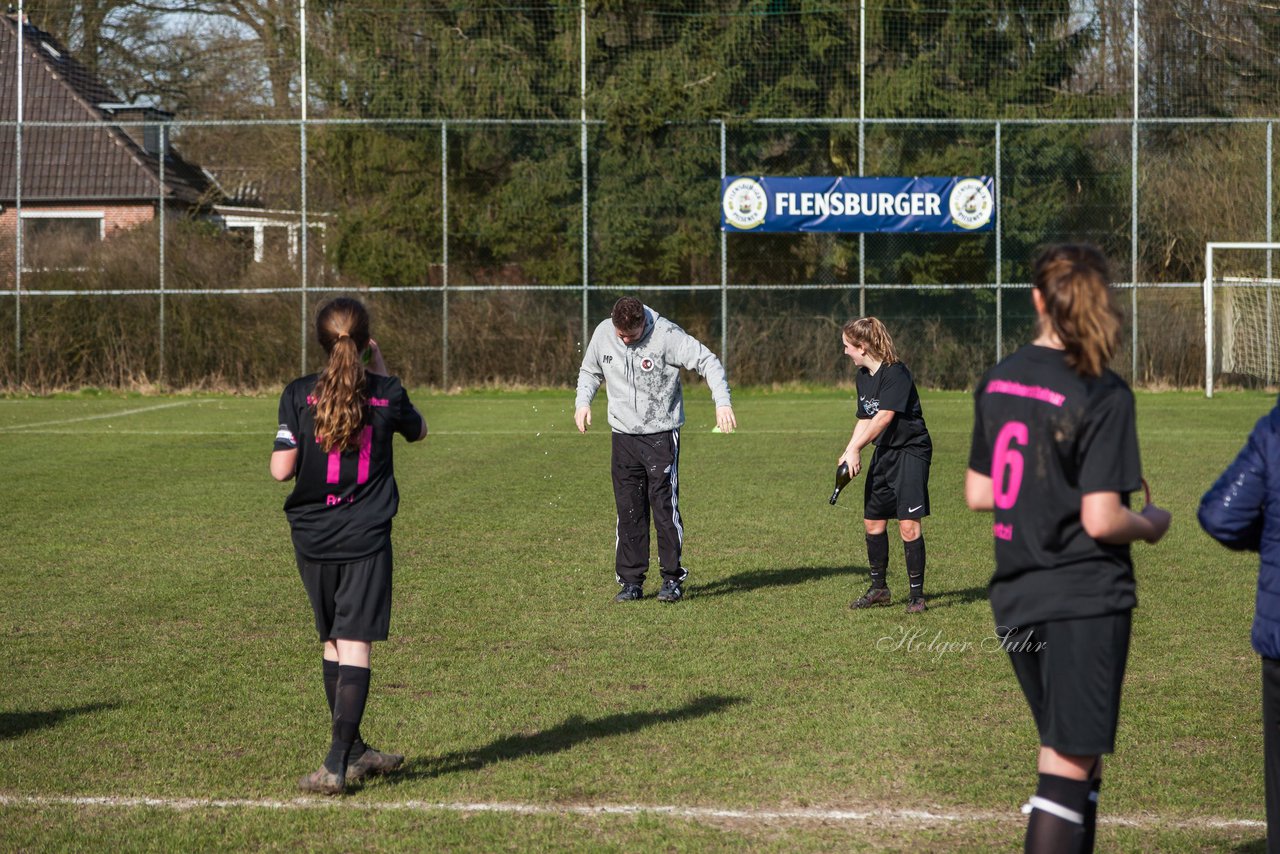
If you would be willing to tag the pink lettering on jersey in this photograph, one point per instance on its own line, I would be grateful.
(311, 400)
(1035, 392)
(1002, 531)
(366, 445)
(379, 401)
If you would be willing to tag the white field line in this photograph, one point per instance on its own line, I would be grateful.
(83, 418)
(21, 430)
(896, 817)
(536, 434)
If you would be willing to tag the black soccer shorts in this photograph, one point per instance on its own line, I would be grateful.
(897, 486)
(1071, 672)
(351, 601)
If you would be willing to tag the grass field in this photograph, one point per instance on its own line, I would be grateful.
(163, 679)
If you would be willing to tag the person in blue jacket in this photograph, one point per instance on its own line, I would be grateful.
(1241, 511)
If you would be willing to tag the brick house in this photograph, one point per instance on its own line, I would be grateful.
(81, 183)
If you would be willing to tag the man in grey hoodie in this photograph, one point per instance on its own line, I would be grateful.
(639, 355)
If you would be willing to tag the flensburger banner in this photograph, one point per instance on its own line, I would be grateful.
(758, 204)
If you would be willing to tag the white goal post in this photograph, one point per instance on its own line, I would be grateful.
(1240, 328)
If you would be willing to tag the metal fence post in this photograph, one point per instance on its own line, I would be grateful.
(999, 257)
(444, 255)
(160, 211)
(1268, 171)
(1133, 213)
(724, 267)
(302, 163)
(862, 147)
(586, 195)
(17, 207)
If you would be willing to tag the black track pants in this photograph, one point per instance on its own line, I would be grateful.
(1271, 748)
(646, 482)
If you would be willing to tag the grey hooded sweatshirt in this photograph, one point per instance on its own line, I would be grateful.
(644, 377)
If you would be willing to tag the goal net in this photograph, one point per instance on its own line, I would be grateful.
(1241, 315)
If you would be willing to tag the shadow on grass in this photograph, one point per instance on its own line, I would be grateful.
(14, 724)
(946, 598)
(1257, 846)
(745, 582)
(573, 731)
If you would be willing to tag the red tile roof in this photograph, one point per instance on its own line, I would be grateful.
(92, 163)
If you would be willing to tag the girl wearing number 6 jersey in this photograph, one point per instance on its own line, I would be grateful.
(1055, 457)
(335, 436)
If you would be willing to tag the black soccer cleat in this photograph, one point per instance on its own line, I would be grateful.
(373, 762)
(323, 782)
(629, 593)
(916, 605)
(874, 597)
(670, 592)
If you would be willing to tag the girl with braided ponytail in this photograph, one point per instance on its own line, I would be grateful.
(335, 438)
(1055, 458)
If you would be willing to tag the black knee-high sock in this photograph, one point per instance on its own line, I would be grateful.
(1091, 815)
(1057, 818)
(914, 552)
(878, 557)
(330, 691)
(348, 708)
(330, 682)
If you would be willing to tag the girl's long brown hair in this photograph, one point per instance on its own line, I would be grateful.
(342, 327)
(1079, 304)
(869, 332)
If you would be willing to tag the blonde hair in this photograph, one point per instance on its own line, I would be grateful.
(869, 332)
(1080, 307)
(342, 327)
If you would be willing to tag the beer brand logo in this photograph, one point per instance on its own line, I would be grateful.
(646, 364)
(971, 204)
(745, 203)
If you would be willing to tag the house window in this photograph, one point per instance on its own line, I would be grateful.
(59, 240)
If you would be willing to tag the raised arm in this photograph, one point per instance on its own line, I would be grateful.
(376, 364)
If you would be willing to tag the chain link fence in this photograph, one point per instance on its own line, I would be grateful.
(490, 178)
